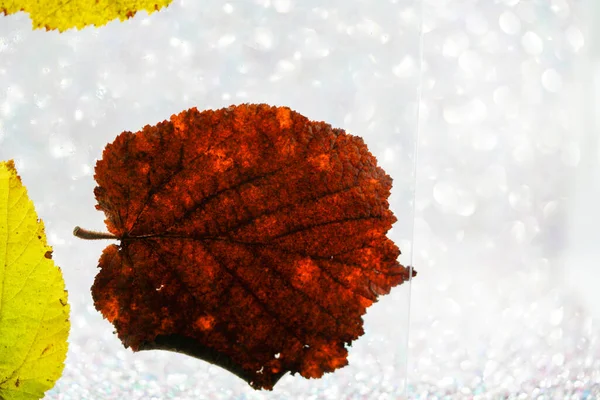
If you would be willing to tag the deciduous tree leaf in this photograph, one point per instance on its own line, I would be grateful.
(63, 15)
(34, 314)
(250, 236)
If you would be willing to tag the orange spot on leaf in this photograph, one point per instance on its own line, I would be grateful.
(205, 323)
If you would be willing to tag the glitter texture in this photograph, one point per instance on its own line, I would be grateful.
(507, 204)
(508, 176)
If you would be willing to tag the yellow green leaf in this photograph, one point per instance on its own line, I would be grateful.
(34, 314)
(66, 14)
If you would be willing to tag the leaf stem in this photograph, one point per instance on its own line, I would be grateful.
(92, 235)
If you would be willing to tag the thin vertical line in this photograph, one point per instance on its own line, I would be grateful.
(414, 205)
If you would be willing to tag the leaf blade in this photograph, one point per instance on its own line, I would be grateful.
(250, 213)
(34, 312)
(64, 15)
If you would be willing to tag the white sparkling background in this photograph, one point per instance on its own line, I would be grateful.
(506, 236)
(64, 96)
(505, 304)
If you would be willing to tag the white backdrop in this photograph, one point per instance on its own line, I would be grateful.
(508, 172)
(507, 203)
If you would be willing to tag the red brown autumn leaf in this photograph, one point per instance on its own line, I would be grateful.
(251, 238)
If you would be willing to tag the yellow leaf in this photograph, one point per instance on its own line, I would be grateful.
(34, 314)
(66, 14)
